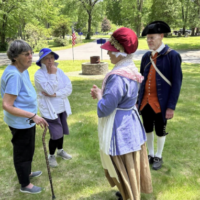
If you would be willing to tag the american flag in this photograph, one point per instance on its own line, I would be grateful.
(73, 37)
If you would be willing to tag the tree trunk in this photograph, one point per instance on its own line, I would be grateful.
(138, 30)
(3, 44)
(197, 31)
(184, 30)
(88, 37)
(192, 34)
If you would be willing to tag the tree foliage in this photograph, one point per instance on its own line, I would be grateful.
(113, 11)
(88, 5)
(61, 27)
(87, 16)
(105, 25)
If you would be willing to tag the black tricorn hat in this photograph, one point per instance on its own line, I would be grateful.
(156, 27)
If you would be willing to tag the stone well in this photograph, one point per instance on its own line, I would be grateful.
(94, 69)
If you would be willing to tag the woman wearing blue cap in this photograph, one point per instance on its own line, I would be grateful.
(53, 88)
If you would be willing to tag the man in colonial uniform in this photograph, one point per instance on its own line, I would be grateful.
(159, 92)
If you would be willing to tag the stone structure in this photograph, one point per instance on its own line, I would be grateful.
(94, 69)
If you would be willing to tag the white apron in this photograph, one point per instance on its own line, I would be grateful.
(105, 129)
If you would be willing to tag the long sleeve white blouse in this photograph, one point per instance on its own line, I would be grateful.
(57, 83)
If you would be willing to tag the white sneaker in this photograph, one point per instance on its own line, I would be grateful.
(52, 161)
(64, 155)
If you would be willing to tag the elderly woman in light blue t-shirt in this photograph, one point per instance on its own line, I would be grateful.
(20, 108)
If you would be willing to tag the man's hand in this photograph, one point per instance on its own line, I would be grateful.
(47, 95)
(169, 113)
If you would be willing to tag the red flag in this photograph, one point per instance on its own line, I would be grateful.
(73, 37)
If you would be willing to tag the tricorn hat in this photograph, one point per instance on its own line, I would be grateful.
(156, 27)
(122, 40)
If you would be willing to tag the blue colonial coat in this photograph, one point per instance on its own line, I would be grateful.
(170, 66)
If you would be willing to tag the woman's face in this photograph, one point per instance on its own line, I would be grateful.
(113, 58)
(24, 60)
(48, 60)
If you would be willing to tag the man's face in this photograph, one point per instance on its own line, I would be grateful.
(154, 40)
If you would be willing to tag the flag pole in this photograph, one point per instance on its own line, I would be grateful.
(72, 45)
(73, 52)
(73, 41)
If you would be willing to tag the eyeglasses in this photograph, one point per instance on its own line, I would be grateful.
(27, 54)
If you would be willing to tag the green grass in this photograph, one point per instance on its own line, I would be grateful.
(100, 36)
(177, 43)
(82, 178)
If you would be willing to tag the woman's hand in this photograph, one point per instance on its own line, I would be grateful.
(48, 95)
(51, 69)
(96, 92)
(40, 121)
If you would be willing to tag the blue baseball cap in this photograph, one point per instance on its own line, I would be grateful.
(43, 52)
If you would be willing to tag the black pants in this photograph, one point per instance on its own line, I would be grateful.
(151, 119)
(53, 144)
(23, 150)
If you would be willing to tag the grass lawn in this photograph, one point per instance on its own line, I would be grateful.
(100, 36)
(82, 178)
(177, 43)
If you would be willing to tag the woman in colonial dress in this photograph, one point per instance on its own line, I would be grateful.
(121, 133)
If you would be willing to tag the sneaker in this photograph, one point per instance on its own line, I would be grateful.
(150, 159)
(157, 163)
(52, 161)
(33, 190)
(35, 174)
(118, 194)
(64, 155)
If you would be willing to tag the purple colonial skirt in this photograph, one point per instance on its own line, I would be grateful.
(58, 127)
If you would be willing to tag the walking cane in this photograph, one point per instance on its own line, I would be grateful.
(48, 169)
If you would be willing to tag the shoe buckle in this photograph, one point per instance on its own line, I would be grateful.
(156, 159)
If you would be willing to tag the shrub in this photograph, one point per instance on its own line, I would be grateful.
(78, 40)
(40, 44)
(61, 42)
(3, 46)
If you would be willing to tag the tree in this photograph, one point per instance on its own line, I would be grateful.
(113, 11)
(88, 5)
(15, 14)
(105, 25)
(61, 28)
(128, 13)
(167, 11)
(132, 12)
(194, 16)
(7, 18)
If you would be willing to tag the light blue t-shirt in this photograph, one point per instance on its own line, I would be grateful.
(19, 84)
